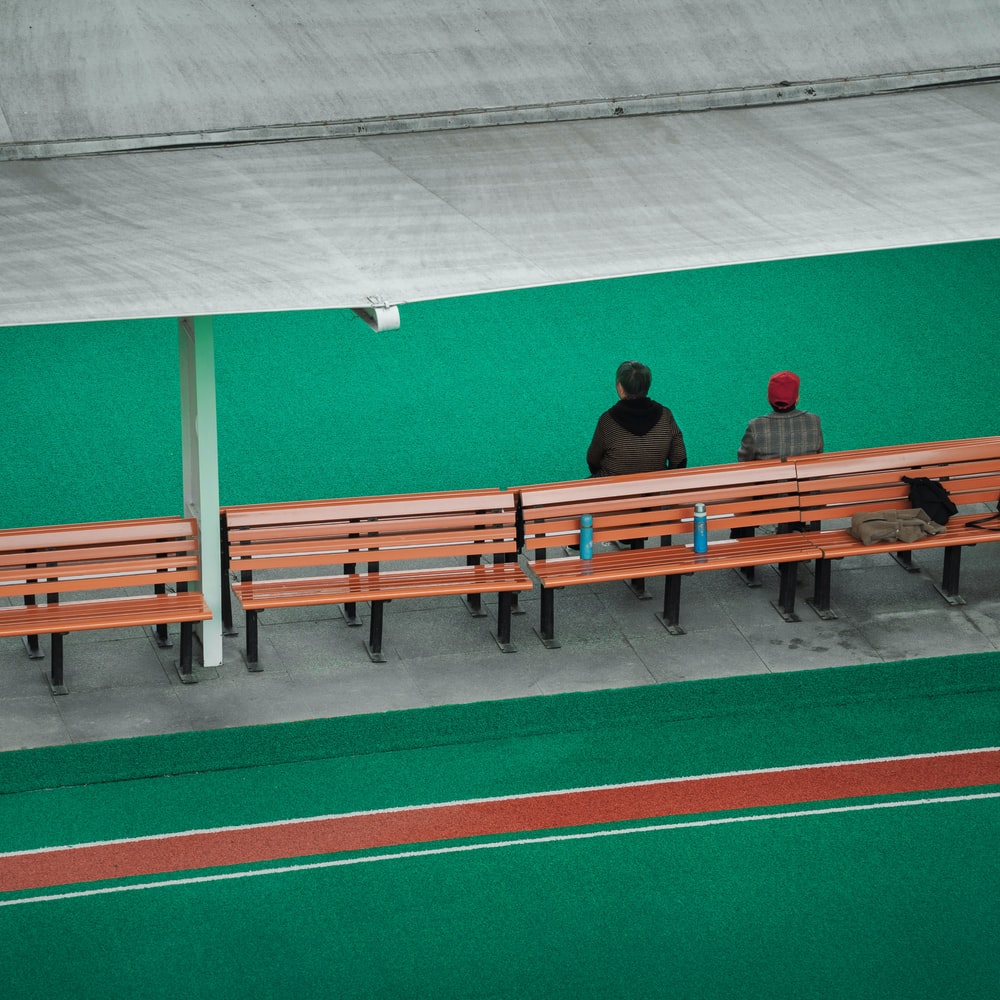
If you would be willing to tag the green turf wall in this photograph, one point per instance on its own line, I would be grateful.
(502, 389)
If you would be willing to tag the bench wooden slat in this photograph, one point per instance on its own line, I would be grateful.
(385, 508)
(670, 560)
(333, 544)
(97, 533)
(382, 586)
(836, 544)
(907, 455)
(342, 526)
(959, 480)
(336, 538)
(74, 584)
(983, 444)
(105, 552)
(679, 482)
(305, 560)
(119, 612)
(252, 512)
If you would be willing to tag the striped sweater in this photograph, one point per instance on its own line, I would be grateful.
(636, 435)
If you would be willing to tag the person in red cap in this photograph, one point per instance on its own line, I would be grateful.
(787, 430)
(783, 432)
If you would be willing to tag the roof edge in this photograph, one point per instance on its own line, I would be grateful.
(784, 92)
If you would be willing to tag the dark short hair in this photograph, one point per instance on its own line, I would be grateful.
(634, 378)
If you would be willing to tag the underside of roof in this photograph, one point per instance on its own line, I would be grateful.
(167, 157)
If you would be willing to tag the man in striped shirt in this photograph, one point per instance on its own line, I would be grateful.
(637, 434)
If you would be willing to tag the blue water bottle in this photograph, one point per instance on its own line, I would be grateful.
(700, 528)
(586, 536)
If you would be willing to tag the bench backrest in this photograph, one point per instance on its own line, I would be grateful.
(838, 485)
(99, 556)
(418, 526)
(659, 505)
(286, 506)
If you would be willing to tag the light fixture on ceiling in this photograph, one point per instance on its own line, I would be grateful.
(378, 315)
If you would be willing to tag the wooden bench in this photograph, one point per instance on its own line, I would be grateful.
(657, 508)
(96, 563)
(331, 552)
(835, 486)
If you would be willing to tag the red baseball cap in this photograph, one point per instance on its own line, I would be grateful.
(783, 390)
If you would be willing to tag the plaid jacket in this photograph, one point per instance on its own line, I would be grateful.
(781, 435)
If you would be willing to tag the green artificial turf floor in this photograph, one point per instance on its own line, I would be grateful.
(879, 899)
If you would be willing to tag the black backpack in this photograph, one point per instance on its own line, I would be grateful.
(931, 497)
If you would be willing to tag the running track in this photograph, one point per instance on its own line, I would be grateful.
(195, 850)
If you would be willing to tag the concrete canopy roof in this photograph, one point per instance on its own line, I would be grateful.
(330, 223)
(147, 167)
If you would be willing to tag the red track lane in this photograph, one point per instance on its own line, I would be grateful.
(496, 817)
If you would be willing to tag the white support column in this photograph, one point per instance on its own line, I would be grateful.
(201, 466)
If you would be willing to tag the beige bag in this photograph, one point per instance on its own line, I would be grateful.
(893, 526)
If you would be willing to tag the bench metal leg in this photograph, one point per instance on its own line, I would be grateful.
(31, 641)
(350, 610)
(56, 665)
(474, 605)
(161, 632)
(503, 623)
(820, 601)
(786, 592)
(638, 587)
(748, 574)
(227, 607)
(250, 656)
(905, 559)
(184, 670)
(32, 647)
(227, 594)
(671, 605)
(374, 643)
(546, 629)
(515, 607)
(474, 602)
(227, 602)
(950, 574)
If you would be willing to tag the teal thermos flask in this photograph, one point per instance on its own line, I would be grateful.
(586, 536)
(700, 528)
